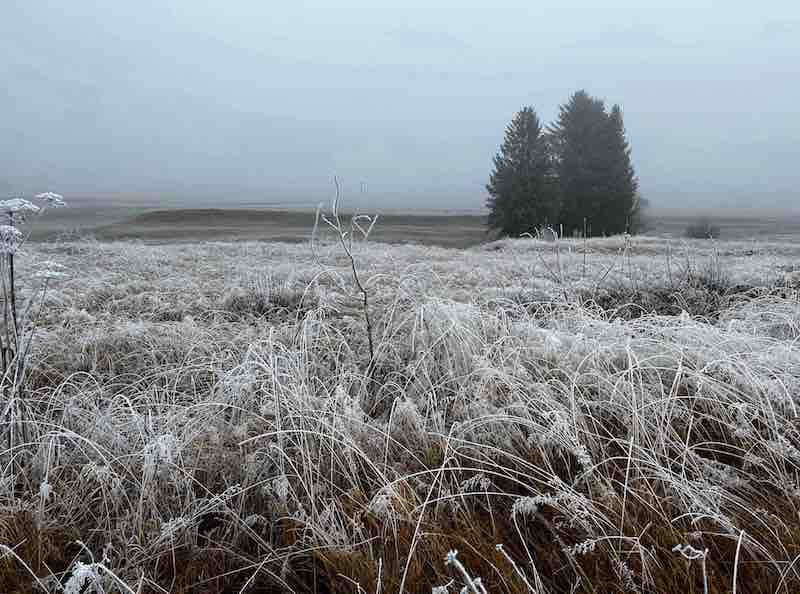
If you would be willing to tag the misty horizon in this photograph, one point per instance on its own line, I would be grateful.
(245, 102)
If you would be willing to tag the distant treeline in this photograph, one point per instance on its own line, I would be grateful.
(575, 176)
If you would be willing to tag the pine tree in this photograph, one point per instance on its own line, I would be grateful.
(523, 189)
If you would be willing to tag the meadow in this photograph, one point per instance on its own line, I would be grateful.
(164, 222)
(610, 415)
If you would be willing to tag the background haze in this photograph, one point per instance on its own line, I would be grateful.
(264, 102)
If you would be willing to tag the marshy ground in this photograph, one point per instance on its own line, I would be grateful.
(203, 417)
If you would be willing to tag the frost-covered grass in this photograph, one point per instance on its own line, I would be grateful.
(199, 419)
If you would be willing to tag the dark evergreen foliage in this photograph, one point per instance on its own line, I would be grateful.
(597, 179)
(578, 176)
(622, 184)
(523, 188)
(580, 137)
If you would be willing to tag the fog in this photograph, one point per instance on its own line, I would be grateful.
(264, 102)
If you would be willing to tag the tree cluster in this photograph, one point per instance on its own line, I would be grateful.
(575, 176)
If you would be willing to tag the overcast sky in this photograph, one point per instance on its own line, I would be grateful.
(271, 99)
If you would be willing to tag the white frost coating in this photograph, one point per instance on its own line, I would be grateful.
(51, 198)
(85, 579)
(497, 387)
(18, 205)
(10, 239)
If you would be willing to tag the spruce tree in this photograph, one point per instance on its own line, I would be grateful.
(581, 138)
(523, 189)
(598, 183)
(622, 183)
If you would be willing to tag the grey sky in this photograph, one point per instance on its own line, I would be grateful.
(271, 99)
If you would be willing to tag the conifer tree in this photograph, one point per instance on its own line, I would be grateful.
(581, 138)
(622, 183)
(523, 189)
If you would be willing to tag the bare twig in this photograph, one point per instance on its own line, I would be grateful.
(345, 238)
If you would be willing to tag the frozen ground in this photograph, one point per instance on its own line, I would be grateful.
(203, 417)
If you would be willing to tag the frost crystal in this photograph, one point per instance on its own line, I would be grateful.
(10, 239)
(173, 528)
(582, 548)
(49, 270)
(381, 504)
(44, 490)
(51, 198)
(18, 206)
(103, 475)
(689, 551)
(82, 575)
(162, 449)
(280, 487)
(479, 482)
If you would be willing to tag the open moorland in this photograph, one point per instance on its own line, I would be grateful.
(615, 415)
(154, 223)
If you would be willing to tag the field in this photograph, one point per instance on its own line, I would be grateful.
(166, 222)
(605, 416)
(288, 226)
